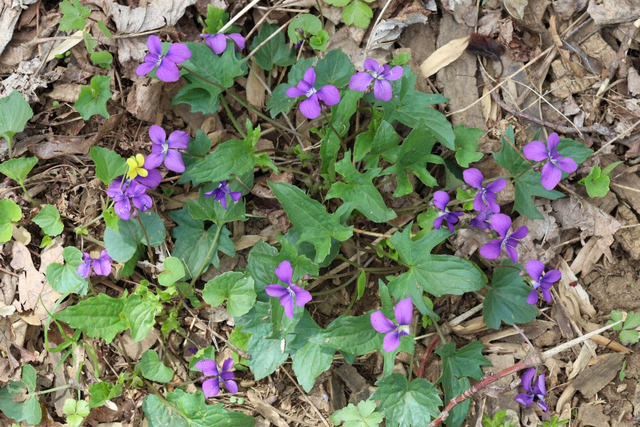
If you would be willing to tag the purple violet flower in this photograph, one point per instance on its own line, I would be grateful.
(486, 195)
(380, 74)
(211, 386)
(501, 224)
(221, 192)
(100, 265)
(167, 150)
(152, 180)
(127, 192)
(539, 392)
(284, 272)
(218, 42)
(552, 171)
(482, 220)
(544, 282)
(310, 107)
(404, 314)
(167, 69)
(441, 200)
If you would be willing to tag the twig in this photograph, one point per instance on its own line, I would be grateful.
(427, 353)
(239, 15)
(534, 359)
(371, 233)
(597, 128)
(240, 351)
(324, 421)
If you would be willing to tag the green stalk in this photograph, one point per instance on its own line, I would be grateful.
(231, 117)
(146, 236)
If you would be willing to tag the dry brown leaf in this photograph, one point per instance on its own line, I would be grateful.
(61, 145)
(388, 31)
(444, 56)
(256, 92)
(595, 378)
(516, 7)
(605, 12)
(65, 46)
(66, 92)
(569, 279)
(266, 410)
(9, 13)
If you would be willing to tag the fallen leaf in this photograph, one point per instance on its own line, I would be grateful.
(482, 45)
(444, 56)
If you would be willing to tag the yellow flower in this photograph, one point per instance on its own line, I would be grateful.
(135, 166)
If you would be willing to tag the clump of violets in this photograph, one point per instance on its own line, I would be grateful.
(310, 107)
(166, 150)
(537, 393)
(441, 200)
(218, 42)
(100, 265)
(211, 386)
(221, 192)
(541, 281)
(486, 196)
(290, 294)
(379, 75)
(501, 224)
(404, 314)
(126, 193)
(552, 170)
(482, 220)
(167, 70)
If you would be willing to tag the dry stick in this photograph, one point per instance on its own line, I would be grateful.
(534, 359)
(597, 128)
(240, 351)
(617, 137)
(238, 16)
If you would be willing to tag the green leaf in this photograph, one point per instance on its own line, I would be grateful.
(29, 377)
(362, 284)
(400, 58)
(111, 219)
(219, 69)
(9, 213)
(103, 391)
(361, 416)
(632, 321)
(454, 387)
(507, 299)
(65, 278)
(93, 98)
(467, 145)
(358, 14)
(174, 271)
(140, 314)
(310, 24)
(231, 158)
(46, 241)
(508, 157)
(237, 287)
(98, 316)
(351, 334)
(274, 52)
(384, 140)
(193, 242)
(103, 59)
(408, 106)
(264, 259)
(13, 403)
(309, 362)
(105, 30)
(435, 274)
(319, 41)
(465, 362)
(359, 190)
(574, 149)
(122, 244)
(49, 220)
(266, 355)
(597, 182)
(335, 69)
(629, 337)
(109, 165)
(153, 369)
(412, 156)
(191, 410)
(406, 403)
(18, 169)
(281, 324)
(73, 16)
(216, 19)
(209, 209)
(15, 112)
(310, 218)
(89, 42)
(528, 186)
(198, 148)
(307, 249)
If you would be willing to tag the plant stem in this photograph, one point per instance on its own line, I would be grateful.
(146, 236)
(435, 323)
(336, 289)
(231, 117)
(27, 193)
(51, 390)
(204, 263)
(9, 145)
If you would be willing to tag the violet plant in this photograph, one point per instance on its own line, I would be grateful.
(354, 163)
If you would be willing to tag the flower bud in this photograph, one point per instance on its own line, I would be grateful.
(536, 168)
(521, 273)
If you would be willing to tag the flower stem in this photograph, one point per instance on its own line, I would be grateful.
(27, 193)
(146, 236)
(231, 117)
(51, 390)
